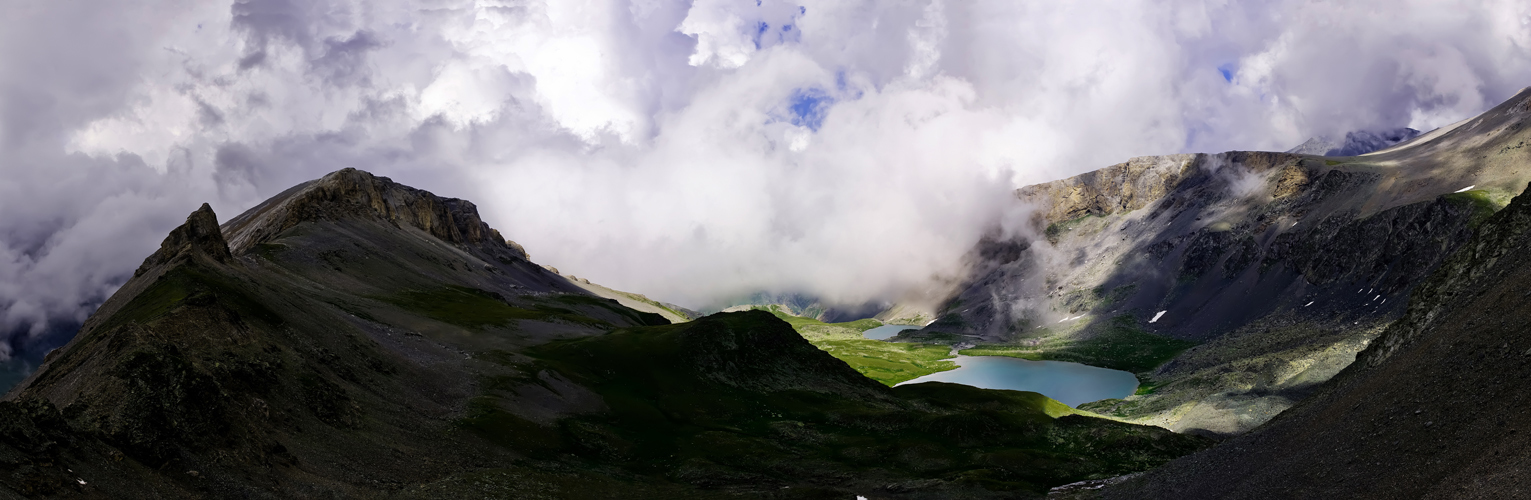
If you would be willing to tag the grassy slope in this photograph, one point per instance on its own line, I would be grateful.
(1484, 203)
(473, 308)
(687, 403)
(886, 362)
(1124, 345)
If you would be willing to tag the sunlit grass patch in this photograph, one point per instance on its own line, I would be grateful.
(889, 362)
(1124, 345)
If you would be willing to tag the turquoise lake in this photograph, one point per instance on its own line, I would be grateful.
(1072, 384)
(886, 332)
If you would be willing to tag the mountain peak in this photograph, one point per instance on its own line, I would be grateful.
(1355, 143)
(350, 193)
(198, 236)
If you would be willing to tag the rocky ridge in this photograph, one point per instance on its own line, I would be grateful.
(1432, 410)
(351, 193)
(1280, 266)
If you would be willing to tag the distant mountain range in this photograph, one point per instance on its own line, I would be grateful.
(1354, 143)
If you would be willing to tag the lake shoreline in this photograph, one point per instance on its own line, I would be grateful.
(1070, 383)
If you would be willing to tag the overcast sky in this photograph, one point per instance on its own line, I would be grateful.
(688, 150)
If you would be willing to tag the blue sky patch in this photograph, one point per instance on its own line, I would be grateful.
(1228, 70)
(774, 30)
(808, 107)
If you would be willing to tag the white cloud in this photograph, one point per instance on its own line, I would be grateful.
(850, 149)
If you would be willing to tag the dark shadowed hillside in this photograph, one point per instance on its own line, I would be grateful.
(1434, 408)
(355, 338)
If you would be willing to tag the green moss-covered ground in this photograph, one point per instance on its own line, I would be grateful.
(690, 403)
(889, 362)
(183, 285)
(1122, 345)
(1482, 202)
(886, 362)
(474, 308)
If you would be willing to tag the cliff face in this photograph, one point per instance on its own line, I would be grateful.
(1434, 408)
(351, 193)
(1123, 187)
(1280, 266)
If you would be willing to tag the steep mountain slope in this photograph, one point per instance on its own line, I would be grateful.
(635, 301)
(1280, 266)
(1354, 143)
(355, 338)
(1434, 408)
(808, 306)
(350, 299)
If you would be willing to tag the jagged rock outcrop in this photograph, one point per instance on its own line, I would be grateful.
(199, 236)
(1123, 187)
(1434, 408)
(355, 193)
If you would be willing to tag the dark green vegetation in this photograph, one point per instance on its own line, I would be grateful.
(739, 403)
(799, 322)
(1121, 345)
(353, 338)
(474, 308)
(889, 362)
(1481, 202)
(886, 362)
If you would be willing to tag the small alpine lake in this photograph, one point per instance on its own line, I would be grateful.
(886, 332)
(1069, 383)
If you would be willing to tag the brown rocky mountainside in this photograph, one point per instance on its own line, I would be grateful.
(1434, 408)
(1232, 283)
(356, 338)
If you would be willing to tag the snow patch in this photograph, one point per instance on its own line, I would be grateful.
(1466, 189)
(1157, 316)
(1308, 304)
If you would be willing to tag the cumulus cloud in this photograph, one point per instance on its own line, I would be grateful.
(694, 151)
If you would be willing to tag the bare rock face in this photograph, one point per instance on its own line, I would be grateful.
(1118, 188)
(198, 237)
(1433, 408)
(351, 193)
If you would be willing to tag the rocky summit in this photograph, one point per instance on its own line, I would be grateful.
(356, 338)
(1234, 284)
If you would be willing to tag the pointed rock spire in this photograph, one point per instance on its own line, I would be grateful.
(199, 236)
